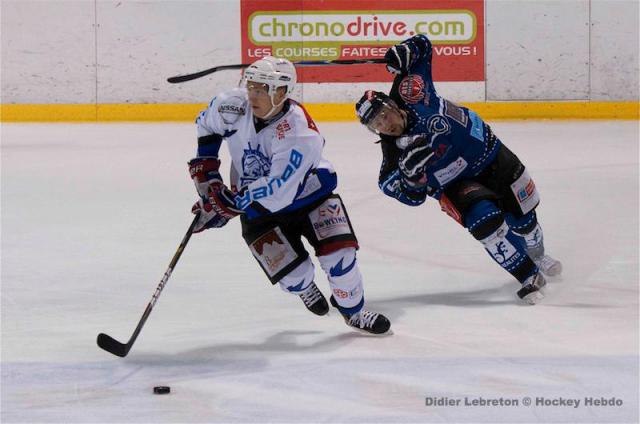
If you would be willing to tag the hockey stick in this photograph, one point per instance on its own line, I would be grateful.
(189, 77)
(110, 344)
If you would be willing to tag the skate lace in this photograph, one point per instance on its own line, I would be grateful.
(311, 295)
(363, 319)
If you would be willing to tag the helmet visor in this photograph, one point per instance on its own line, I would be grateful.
(387, 120)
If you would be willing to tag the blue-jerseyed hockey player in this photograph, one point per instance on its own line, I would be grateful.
(433, 147)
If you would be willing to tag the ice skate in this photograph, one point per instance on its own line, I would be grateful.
(549, 266)
(314, 300)
(530, 291)
(365, 321)
(535, 249)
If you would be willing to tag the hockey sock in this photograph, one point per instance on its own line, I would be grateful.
(487, 224)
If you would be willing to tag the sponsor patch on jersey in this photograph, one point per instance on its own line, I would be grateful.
(273, 251)
(411, 88)
(282, 128)
(525, 191)
(231, 109)
(448, 173)
(477, 126)
(329, 219)
(455, 112)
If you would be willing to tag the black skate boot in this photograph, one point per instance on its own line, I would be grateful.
(365, 321)
(314, 300)
(530, 291)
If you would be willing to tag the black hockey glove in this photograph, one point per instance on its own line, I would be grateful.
(399, 59)
(413, 161)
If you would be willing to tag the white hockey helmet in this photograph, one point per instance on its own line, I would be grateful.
(274, 72)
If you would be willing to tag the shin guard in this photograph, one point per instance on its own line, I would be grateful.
(344, 278)
(487, 224)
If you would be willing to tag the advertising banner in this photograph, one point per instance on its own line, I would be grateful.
(360, 29)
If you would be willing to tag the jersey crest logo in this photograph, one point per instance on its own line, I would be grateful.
(438, 124)
(411, 89)
(255, 164)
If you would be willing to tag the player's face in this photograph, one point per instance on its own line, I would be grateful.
(260, 99)
(388, 121)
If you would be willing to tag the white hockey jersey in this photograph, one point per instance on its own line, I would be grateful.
(276, 169)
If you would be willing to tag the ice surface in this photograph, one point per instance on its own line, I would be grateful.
(92, 214)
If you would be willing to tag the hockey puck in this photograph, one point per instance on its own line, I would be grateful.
(162, 390)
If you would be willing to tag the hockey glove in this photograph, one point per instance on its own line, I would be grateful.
(223, 203)
(208, 217)
(398, 59)
(394, 185)
(216, 205)
(204, 173)
(216, 210)
(414, 160)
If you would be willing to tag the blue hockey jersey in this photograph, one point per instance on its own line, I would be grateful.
(461, 143)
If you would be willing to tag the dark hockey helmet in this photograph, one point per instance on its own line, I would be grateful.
(370, 106)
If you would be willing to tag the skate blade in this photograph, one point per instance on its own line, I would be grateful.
(389, 332)
(533, 298)
(554, 271)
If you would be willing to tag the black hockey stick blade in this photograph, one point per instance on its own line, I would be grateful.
(111, 345)
(189, 77)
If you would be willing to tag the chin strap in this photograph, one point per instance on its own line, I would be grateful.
(271, 113)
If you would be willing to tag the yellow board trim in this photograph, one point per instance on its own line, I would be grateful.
(319, 111)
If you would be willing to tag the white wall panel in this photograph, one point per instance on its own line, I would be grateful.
(467, 91)
(48, 51)
(537, 50)
(141, 43)
(614, 49)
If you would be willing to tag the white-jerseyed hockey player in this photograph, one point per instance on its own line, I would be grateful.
(282, 188)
